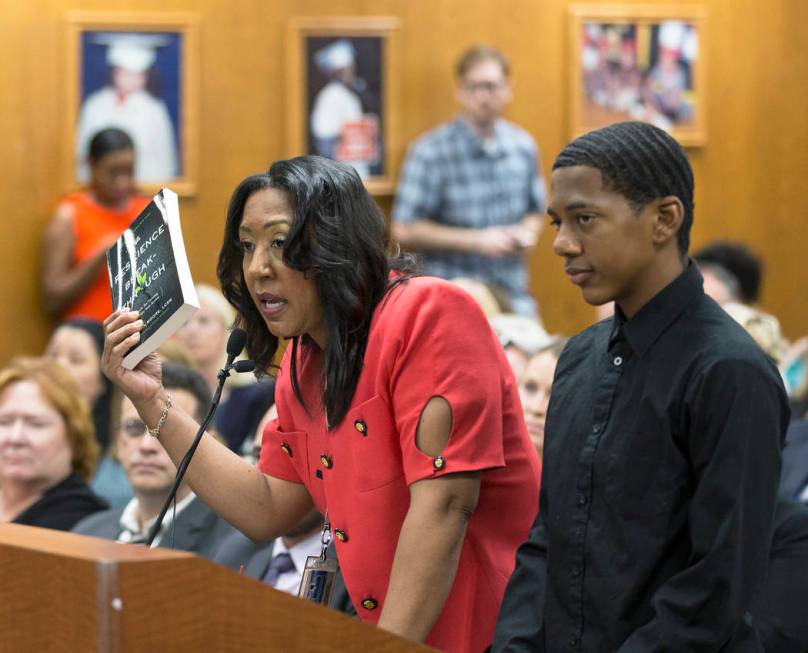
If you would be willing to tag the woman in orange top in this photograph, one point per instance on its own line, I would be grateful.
(74, 273)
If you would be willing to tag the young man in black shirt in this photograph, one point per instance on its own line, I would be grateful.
(662, 450)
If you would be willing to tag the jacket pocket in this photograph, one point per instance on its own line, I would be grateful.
(371, 435)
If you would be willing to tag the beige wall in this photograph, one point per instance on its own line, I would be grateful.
(749, 174)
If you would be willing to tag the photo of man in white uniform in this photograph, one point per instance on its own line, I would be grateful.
(127, 103)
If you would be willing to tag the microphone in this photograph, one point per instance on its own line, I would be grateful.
(235, 345)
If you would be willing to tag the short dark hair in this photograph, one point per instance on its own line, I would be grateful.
(107, 141)
(182, 377)
(737, 259)
(640, 162)
(478, 53)
(339, 235)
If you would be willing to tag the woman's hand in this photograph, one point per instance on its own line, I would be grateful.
(122, 332)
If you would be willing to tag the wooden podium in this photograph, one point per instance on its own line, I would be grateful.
(72, 593)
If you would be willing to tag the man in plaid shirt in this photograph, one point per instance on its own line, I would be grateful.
(471, 192)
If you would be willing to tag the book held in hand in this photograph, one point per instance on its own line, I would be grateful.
(149, 273)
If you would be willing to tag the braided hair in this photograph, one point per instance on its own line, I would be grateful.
(640, 162)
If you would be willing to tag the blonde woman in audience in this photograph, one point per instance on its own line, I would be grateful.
(763, 327)
(47, 447)
(482, 294)
(521, 337)
(534, 389)
(204, 337)
(77, 345)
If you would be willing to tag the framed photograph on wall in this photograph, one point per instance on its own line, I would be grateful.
(342, 99)
(136, 72)
(638, 62)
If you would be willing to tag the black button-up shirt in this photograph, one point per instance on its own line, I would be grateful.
(661, 466)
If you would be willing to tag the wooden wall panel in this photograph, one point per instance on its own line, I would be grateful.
(750, 175)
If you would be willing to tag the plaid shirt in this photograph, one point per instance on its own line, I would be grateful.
(451, 177)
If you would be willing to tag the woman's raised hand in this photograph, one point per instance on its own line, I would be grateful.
(121, 333)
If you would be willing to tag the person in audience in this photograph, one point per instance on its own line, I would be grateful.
(77, 345)
(489, 300)
(190, 525)
(734, 266)
(779, 606)
(794, 475)
(663, 434)
(204, 337)
(471, 191)
(534, 389)
(47, 447)
(763, 327)
(382, 408)
(520, 337)
(281, 562)
(74, 274)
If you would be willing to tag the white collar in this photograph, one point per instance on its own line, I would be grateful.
(300, 551)
(130, 526)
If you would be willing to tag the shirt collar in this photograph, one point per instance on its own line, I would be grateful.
(494, 148)
(130, 527)
(300, 551)
(642, 330)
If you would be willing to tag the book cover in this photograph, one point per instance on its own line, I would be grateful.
(149, 273)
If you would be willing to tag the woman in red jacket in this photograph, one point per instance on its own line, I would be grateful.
(399, 417)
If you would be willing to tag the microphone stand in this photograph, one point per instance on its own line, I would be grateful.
(240, 366)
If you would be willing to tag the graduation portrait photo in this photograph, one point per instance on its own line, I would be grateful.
(341, 95)
(135, 73)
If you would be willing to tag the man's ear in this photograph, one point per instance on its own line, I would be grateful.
(669, 215)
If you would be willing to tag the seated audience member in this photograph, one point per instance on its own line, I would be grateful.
(534, 389)
(151, 474)
(764, 329)
(731, 271)
(47, 447)
(794, 473)
(488, 298)
(244, 401)
(280, 563)
(795, 376)
(779, 607)
(77, 345)
(521, 337)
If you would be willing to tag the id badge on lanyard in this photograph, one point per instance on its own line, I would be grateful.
(320, 572)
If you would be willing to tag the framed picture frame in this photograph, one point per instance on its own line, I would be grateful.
(137, 72)
(638, 62)
(342, 99)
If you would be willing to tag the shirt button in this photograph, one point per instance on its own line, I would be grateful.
(572, 643)
(596, 428)
(581, 498)
(618, 361)
(341, 535)
(369, 603)
(360, 426)
(286, 449)
(439, 462)
(325, 461)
